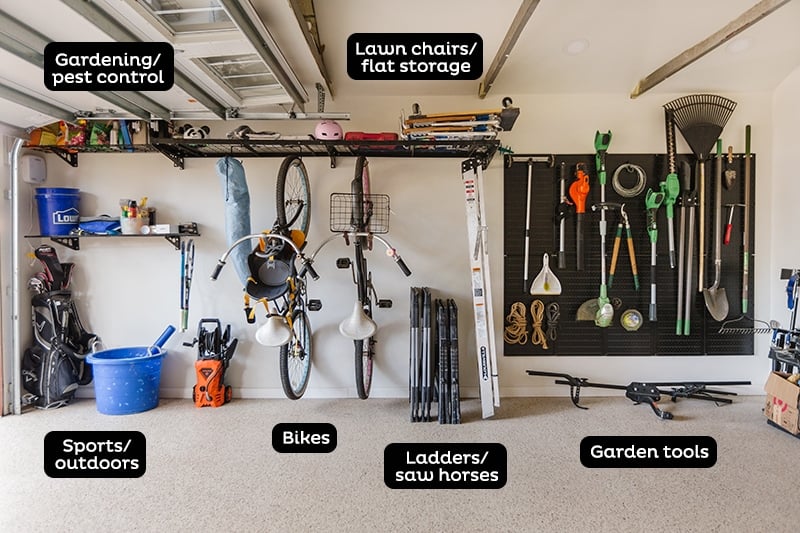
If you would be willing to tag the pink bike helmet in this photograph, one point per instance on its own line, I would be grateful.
(328, 130)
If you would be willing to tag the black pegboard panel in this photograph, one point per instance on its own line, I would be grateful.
(583, 338)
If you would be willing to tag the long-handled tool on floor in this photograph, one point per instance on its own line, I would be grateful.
(578, 191)
(715, 296)
(746, 230)
(671, 187)
(605, 312)
(652, 201)
(649, 393)
(701, 118)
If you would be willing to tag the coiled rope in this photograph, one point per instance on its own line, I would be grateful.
(516, 332)
(537, 316)
(553, 315)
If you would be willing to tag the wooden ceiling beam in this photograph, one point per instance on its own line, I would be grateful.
(692, 54)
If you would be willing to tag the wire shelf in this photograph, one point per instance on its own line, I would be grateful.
(344, 216)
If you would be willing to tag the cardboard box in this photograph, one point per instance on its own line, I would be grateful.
(782, 402)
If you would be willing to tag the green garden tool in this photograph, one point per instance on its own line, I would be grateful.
(605, 312)
(671, 186)
(652, 202)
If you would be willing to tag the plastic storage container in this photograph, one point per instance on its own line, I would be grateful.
(126, 380)
(58, 209)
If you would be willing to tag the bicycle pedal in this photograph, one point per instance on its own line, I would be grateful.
(314, 305)
(343, 262)
(384, 304)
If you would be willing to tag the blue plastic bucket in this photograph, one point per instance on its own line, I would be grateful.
(58, 209)
(126, 380)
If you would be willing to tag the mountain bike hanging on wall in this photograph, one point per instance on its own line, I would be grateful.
(359, 216)
(277, 283)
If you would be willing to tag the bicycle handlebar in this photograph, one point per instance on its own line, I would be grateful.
(390, 251)
(303, 259)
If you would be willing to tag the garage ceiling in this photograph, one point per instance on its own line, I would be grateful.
(567, 46)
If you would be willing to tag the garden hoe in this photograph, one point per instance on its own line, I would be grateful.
(715, 297)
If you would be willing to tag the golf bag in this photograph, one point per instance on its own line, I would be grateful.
(214, 352)
(55, 366)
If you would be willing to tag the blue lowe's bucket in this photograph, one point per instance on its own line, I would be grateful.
(126, 380)
(58, 209)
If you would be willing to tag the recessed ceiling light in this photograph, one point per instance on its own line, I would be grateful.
(576, 47)
(738, 46)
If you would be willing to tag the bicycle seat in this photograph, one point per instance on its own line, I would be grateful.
(271, 265)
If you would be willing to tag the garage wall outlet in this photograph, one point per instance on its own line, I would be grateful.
(32, 169)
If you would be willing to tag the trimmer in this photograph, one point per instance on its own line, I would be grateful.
(652, 201)
(605, 311)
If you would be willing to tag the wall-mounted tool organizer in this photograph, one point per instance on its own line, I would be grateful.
(559, 327)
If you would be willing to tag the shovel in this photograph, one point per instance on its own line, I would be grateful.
(715, 297)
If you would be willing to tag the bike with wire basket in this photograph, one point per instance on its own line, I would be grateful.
(278, 283)
(360, 217)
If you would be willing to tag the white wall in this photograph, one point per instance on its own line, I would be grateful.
(128, 290)
(783, 213)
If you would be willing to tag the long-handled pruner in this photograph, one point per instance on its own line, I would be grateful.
(671, 186)
(652, 202)
(578, 191)
(623, 222)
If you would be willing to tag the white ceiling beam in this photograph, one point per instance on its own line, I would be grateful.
(524, 13)
(31, 102)
(117, 31)
(692, 54)
(307, 19)
(247, 20)
(26, 43)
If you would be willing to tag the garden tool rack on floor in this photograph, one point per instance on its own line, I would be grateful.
(650, 392)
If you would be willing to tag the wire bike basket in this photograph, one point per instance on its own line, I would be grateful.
(344, 209)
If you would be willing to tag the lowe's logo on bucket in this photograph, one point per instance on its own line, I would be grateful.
(67, 216)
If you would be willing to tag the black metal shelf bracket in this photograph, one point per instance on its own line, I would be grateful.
(70, 157)
(71, 242)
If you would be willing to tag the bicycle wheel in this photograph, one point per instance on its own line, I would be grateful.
(295, 357)
(364, 348)
(293, 195)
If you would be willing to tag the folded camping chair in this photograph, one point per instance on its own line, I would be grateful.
(272, 269)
